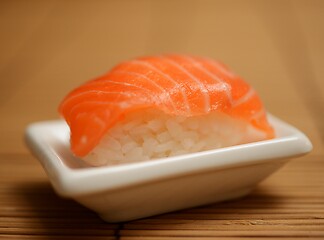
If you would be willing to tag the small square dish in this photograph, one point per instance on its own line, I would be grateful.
(131, 191)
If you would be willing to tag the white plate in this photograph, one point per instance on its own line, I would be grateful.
(131, 191)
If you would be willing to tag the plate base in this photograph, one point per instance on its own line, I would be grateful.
(223, 197)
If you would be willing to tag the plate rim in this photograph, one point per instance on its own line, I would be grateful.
(71, 182)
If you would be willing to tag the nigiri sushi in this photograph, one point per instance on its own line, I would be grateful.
(161, 106)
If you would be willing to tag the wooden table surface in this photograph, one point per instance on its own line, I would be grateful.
(48, 47)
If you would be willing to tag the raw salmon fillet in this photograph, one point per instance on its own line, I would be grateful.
(175, 84)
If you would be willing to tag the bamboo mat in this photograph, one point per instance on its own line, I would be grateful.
(48, 47)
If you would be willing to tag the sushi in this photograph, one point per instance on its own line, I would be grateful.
(161, 106)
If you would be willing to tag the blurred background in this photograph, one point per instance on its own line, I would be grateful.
(49, 47)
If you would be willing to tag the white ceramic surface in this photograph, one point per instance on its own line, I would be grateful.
(137, 190)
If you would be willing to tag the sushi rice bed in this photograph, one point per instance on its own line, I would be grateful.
(151, 134)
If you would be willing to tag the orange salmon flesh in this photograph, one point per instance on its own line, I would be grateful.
(175, 84)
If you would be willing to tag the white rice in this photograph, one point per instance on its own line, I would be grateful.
(151, 134)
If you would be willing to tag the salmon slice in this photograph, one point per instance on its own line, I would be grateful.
(175, 84)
